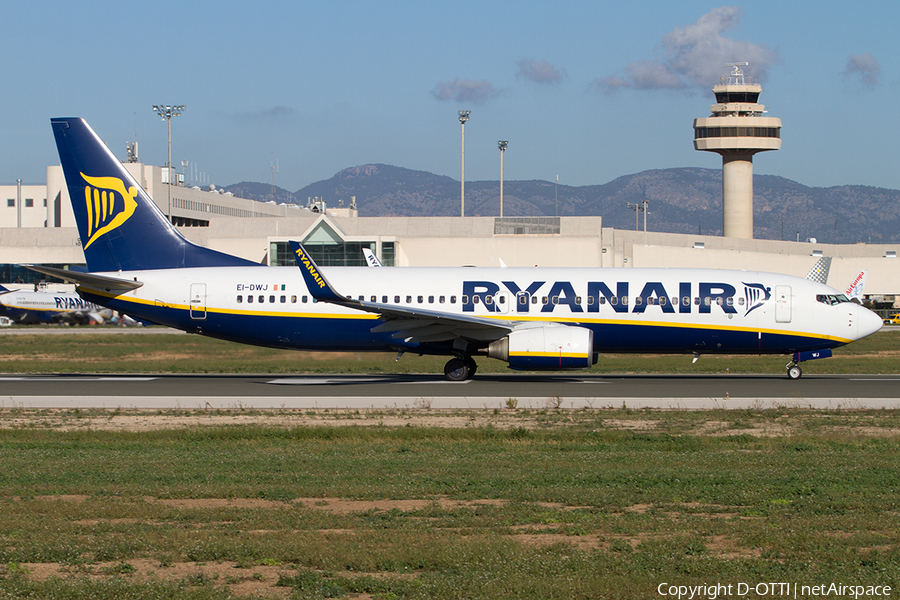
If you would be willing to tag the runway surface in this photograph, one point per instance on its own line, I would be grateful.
(432, 391)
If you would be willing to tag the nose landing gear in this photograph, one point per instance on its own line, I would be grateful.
(793, 370)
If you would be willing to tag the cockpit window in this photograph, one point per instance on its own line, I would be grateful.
(832, 299)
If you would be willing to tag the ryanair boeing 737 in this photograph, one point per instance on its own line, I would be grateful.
(532, 318)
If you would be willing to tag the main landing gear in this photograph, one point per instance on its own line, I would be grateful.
(460, 369)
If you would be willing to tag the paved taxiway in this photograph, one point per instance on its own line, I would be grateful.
(410, 391)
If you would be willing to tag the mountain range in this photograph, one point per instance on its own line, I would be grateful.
(680, 200)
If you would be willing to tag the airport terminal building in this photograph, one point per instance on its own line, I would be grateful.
(37, 226)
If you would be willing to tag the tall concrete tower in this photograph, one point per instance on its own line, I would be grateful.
(737, 130)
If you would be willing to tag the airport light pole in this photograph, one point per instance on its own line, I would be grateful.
(463, 117)
(502, 144)
(166, 112)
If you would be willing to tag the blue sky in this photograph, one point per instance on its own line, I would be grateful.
(587, 91)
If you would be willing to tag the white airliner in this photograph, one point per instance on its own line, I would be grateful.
(50, 307)
(532, 318)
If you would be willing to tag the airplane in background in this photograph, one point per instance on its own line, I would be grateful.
(857, 287)
(28, 308)
(532, 318)
(371, 259)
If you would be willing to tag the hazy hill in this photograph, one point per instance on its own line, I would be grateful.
(684, 200)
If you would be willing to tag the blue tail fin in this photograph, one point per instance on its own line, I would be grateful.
(120, 226)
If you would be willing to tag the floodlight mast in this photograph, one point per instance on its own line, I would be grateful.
(463, 117)
(166, 112)
(502, 144)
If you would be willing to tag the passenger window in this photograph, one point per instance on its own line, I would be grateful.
(590, 300)
(602, 299)
(293, 299)
(523, 299)
(638, 300)
(249, 299)
(534, 299)
(409, 299)
(283, 299)
(614, 300)
(464, 299)
(396, 299)
(545, 300)
(578, 300)
(240, 299)
(740, 301)
(729, 301)
(555, 299)
(696, 301)
(488, 299)
(501, 300)
(453, 300)
(419, 300)
(663, 300)
(383, 300)
(475, 299)
(262, 299)
(303, 300)
(624, 300)
(441, 299)
(707, 301)
(686, 301)
(430, 299)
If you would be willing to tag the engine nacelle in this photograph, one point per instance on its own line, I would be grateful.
(552, 347)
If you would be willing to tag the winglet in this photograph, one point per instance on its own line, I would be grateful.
(315, 280)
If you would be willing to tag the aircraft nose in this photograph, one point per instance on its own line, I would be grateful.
(867, 322)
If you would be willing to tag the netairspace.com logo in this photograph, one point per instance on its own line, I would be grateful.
(771, 590)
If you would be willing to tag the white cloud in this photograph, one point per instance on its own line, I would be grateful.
(465, 90)
(695, 56)
(539, 71)
(865, 66)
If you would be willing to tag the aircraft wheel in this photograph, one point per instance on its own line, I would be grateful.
(473, 366)
(794, 372)
(457, 369)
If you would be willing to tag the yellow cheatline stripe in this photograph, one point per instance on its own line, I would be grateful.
(506, 319)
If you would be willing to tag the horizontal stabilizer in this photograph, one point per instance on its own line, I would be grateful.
(97, 282)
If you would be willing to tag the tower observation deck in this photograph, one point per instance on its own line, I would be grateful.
(737, 130)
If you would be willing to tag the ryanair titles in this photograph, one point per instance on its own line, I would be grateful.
(690, 297)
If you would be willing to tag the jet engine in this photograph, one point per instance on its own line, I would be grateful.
(550, 347)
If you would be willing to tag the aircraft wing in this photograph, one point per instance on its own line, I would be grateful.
(97, 282)
(410, 324)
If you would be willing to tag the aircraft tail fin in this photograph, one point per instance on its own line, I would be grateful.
(121, 227)
(819, 272)
(371, 259)
(855, 291)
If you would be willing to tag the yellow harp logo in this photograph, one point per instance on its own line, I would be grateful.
(108, 205)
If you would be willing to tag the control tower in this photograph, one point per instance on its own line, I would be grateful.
(737, 130)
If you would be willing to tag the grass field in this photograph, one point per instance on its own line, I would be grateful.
(179, 353)
(585, 504)
(568, 504)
